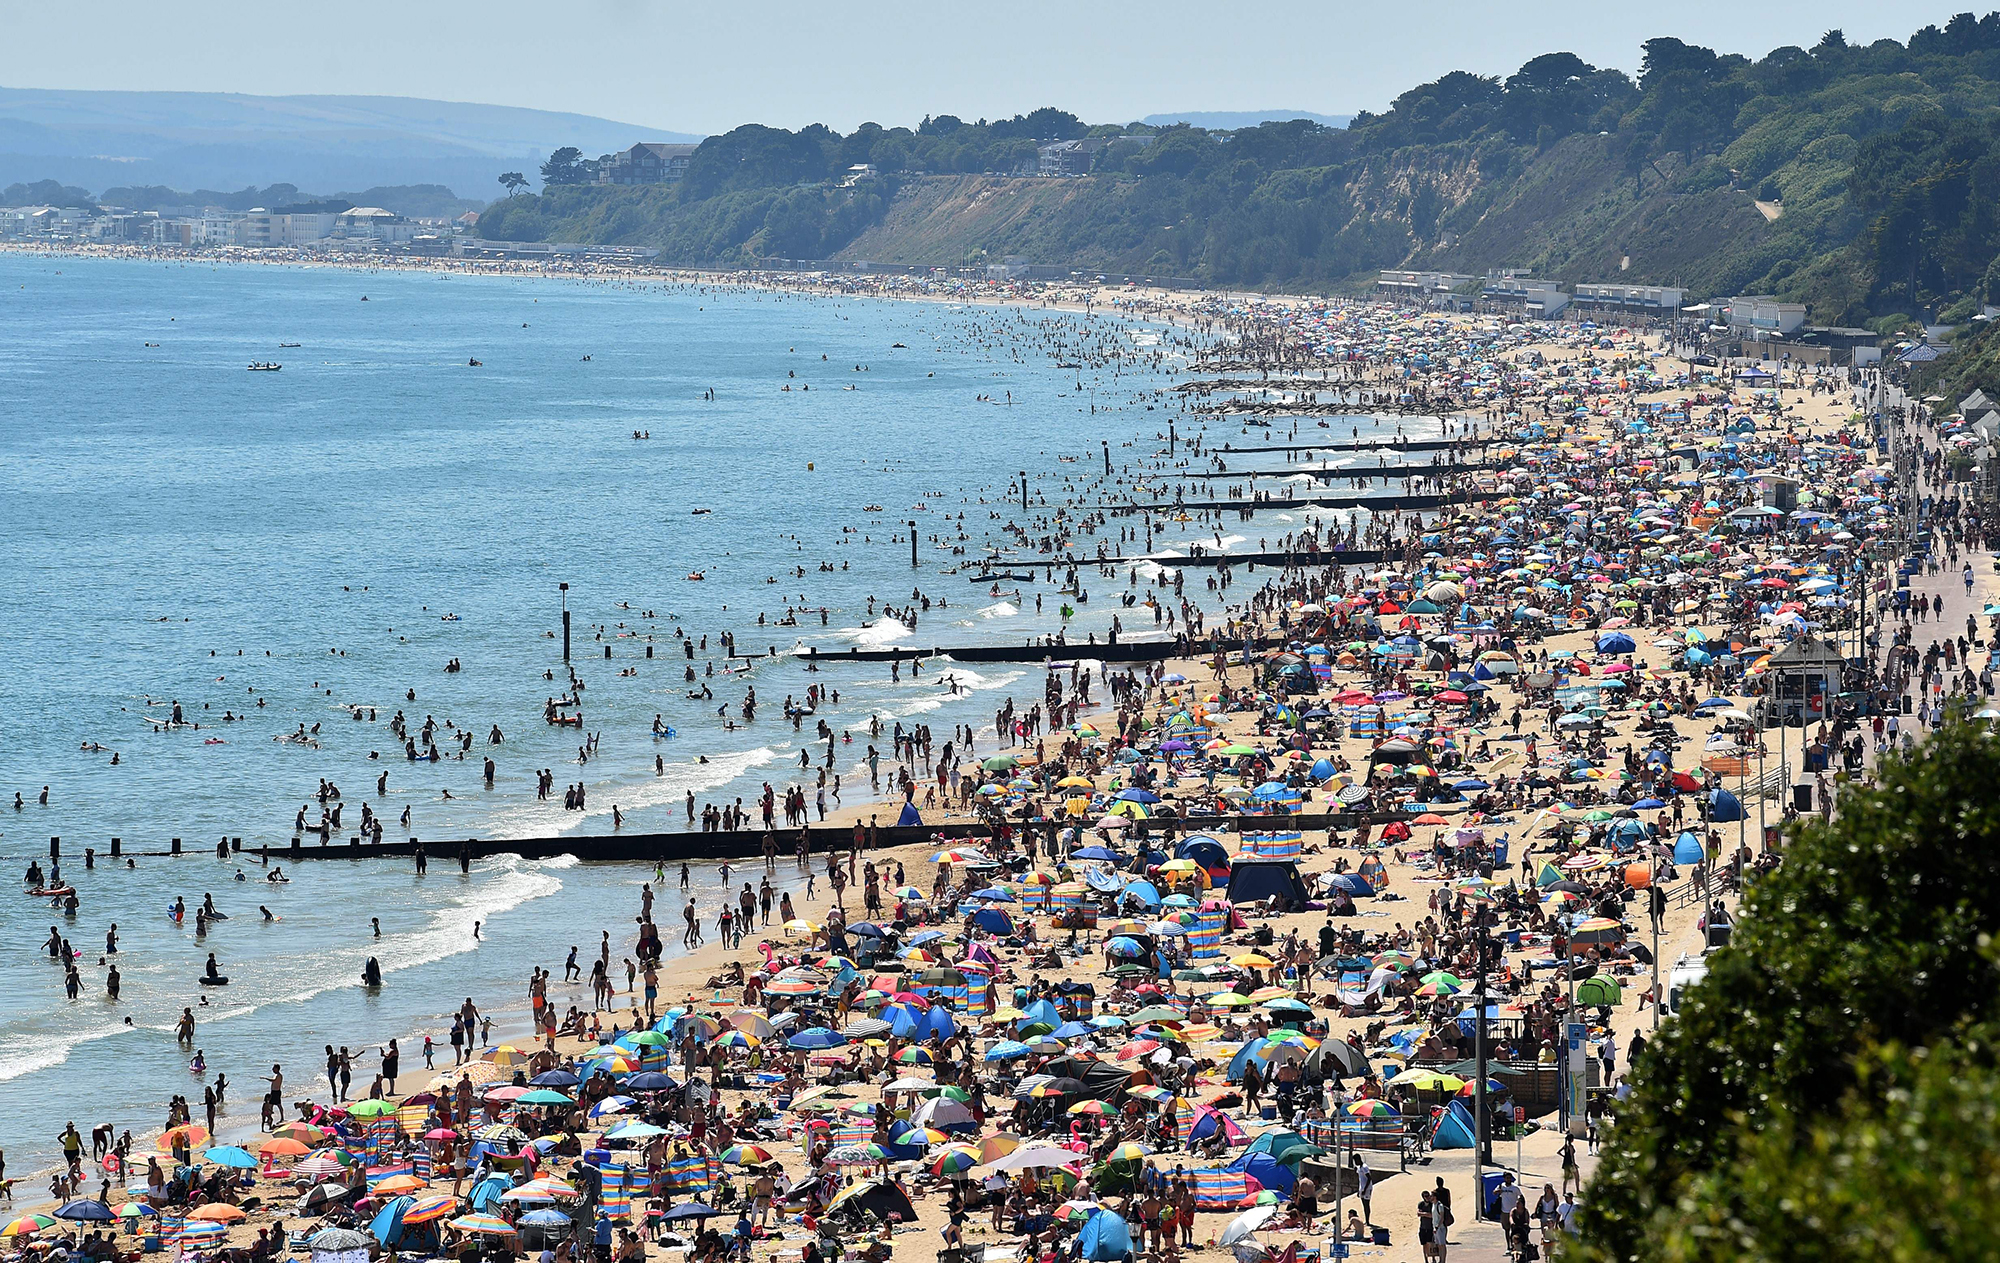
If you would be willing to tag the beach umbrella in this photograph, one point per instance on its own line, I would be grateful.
(488, 1225)
(232, 1156)
(544, 1096)
(1130, 1151)
(188, 1134)
(506, 1055)
(372, 1109)
(85, 1210)
(1371, 1108)
(817, 1037)
(426, 1210)
(955, 1160)
(393, 1185)
(27, 1225)
(544, 1218)
(131, 1210)
(282, 1147)
(747, 1155)
(1247, 1223)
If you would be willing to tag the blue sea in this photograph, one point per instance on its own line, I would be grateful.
(279, 552)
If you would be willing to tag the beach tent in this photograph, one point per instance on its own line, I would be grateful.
(1252, 879)
(1688, 849)
(1723, 807)
(1454, 1128)
(910, 815)
(881, 1198)
(1205, 851)
(387, 1226)
(1267, 1171)
(1207, 1122)
(994, 921)
(1105, 1236)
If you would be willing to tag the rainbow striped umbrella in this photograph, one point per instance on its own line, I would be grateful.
(1370, 1108)
(747, 1155)
(492, 1225)
(27, 1226)
(955, 1160)
(427, 1210)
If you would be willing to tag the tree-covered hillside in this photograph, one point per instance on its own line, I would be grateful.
(1859, 179)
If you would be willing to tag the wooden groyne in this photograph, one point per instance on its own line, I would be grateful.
(691, 846)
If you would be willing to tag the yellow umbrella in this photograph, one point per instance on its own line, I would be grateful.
(1252, 960)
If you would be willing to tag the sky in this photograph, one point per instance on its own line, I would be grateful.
(709, 67)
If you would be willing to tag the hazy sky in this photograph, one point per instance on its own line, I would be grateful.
(707, 67)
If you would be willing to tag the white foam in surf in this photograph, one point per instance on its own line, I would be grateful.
(883, 633)
(1005, 609)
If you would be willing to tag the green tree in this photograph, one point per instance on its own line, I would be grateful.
(513, 182)
(1877, 928)
(566, 166)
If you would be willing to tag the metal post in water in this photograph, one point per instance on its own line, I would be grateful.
(564, 589)
(913, 545)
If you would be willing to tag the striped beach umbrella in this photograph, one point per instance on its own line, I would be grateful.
(27, 1226)
(956, 1160)
(747, 1155)
(491, 1225)
(426, 1210)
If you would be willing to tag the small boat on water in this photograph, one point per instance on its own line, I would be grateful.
(262, 366)
(282, 346)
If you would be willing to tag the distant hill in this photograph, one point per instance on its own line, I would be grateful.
(209, 140)
(1230, 120)
(1862, 181)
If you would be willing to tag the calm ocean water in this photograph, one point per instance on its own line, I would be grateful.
(179, 529)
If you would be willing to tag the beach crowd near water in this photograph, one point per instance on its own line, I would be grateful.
(1538, 731)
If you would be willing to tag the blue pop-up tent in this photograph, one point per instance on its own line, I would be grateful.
(1454, 1128)
(1724, 808)
(1105, 1238)
(1688, 849)
(1267, 1171)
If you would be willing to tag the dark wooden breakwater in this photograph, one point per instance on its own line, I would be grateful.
(1376, 503)
(673, 847)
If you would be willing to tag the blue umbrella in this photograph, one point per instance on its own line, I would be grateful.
(545, 1218)
(555, 1079)
(1094, 853)
(86, 1210)
(650, 1081)
(231, 1156)
(993, 894)
(1125, 946)
(816, 1037)
(1073, 1030)
(1136, 795)
(1007, 1050)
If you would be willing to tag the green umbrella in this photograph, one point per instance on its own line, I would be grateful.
(371, 1108)
(999, 763)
